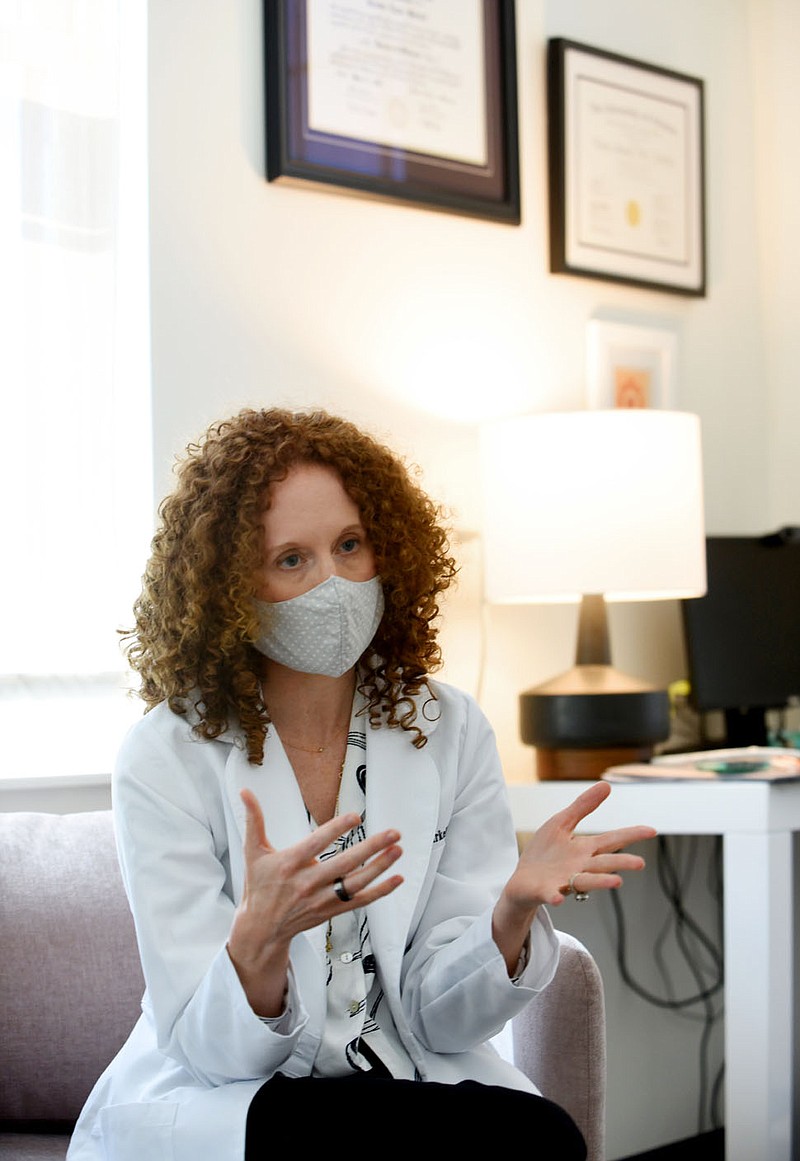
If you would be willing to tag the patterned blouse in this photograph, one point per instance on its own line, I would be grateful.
(359, 1032)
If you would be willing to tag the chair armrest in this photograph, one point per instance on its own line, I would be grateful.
(560, 1042)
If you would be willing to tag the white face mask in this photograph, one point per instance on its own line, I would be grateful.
(324, 630)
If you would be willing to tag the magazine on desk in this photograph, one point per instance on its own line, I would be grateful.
(742, 764)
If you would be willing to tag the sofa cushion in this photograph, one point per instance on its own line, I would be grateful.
(70, 981)
(33, 1146)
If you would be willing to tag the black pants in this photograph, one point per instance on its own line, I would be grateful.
(360, 1115)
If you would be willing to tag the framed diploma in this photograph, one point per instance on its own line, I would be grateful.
(414, 100)
(626, 170)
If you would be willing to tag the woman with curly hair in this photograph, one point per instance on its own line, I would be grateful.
(285, 639)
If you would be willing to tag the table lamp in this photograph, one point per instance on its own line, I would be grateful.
(593, 506)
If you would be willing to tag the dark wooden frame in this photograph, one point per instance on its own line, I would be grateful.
(294, 154)
(618, 264)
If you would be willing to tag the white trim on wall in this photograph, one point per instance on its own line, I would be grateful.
(65, 794)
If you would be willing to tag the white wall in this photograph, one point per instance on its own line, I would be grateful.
(421, 324)
(775, 39)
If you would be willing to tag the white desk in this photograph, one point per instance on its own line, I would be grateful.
(757, 821)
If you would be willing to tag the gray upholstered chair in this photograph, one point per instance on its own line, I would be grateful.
(70, 986)
(560, 1043)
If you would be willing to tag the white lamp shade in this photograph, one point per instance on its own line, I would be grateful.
(583, 502)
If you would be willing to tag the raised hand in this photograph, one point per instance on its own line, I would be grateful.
(556, 861)
(290, 891)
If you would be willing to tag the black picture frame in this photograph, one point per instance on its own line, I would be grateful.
(626, 168)
(300, 153)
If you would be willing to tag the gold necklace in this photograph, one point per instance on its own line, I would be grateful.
(305, 749)
(315, 749)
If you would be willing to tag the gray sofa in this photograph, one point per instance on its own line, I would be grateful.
(70, 986)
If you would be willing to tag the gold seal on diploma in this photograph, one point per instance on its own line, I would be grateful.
(633, 213)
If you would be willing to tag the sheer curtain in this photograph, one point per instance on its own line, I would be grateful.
(75, 478)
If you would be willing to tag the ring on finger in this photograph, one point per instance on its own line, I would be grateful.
(341, 891)
(580, 896)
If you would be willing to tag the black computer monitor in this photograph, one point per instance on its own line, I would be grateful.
(743, 637)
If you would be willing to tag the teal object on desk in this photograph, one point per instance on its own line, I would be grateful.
(732, 766)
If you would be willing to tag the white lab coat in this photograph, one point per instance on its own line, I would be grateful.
(179, 1089)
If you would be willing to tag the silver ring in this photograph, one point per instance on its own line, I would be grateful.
(580, 896)
(341, 891)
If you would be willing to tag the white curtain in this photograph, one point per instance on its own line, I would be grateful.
(75, 479)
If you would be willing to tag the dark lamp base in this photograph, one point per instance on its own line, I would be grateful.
(590, 718)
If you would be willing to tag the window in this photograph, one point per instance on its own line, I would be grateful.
(75, 475)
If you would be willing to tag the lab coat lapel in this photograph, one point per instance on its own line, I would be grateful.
(275, 787)
(402, 793)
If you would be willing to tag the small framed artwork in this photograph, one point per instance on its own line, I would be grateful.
(630, 366)
(626, 170)
(415, 102)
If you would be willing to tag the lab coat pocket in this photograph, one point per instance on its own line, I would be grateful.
(133, 1132)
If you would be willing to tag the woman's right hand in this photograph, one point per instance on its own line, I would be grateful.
(290, 891)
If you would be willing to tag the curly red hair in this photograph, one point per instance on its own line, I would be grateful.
(195, 620)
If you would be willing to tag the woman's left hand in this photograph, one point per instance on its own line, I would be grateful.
(557, 861)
